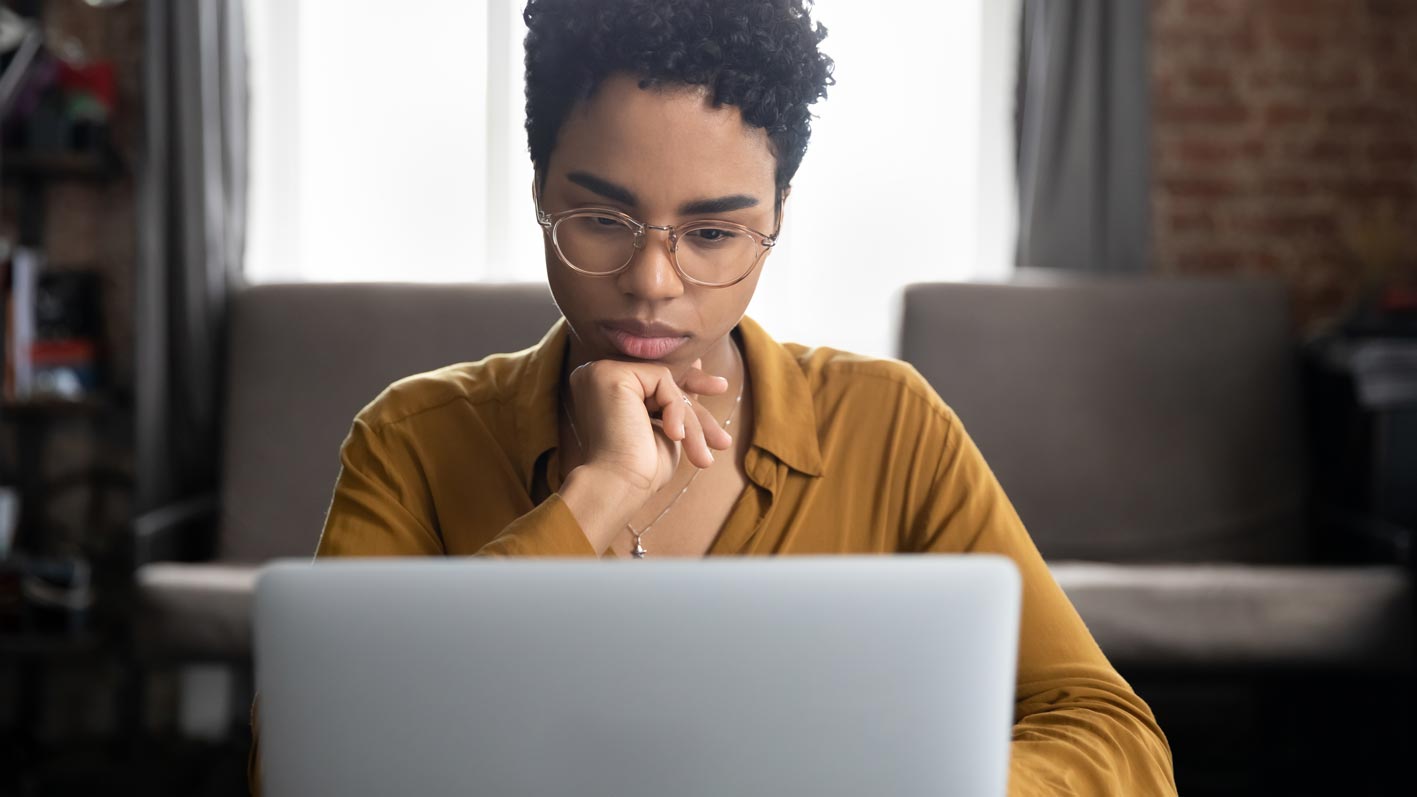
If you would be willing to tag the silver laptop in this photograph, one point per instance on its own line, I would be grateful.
(886, 675)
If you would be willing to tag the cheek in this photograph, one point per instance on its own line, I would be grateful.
(553, 262)
(743, 292)
(565, 284)
(726, 306)
(565, 291)
(578, 297)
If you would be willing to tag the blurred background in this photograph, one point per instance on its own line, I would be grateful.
(1161, 257)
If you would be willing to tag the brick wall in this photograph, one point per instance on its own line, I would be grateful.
(1285, 142)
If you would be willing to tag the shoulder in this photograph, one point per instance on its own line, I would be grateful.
(481, 386)
(835, 376)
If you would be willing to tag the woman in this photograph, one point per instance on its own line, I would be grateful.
(656, 420)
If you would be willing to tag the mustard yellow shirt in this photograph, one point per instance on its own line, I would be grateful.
(849, 455)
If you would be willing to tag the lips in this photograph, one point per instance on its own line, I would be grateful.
(644, 340)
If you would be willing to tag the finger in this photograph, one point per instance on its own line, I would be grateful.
(675, 415)
(715, 436)
(697, 381)
(697, 365)
(696, 448)
(672, 419)
(662, 395)
(673, 450)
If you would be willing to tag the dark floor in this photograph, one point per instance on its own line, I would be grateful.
(1287, 733)
(154, 767)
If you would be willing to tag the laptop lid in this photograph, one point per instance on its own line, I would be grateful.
(766, 676)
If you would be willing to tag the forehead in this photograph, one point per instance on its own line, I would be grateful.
(664, 139)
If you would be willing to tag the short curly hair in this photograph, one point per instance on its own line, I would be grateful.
(758, 55)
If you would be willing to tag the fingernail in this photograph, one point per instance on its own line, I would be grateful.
(682, 431)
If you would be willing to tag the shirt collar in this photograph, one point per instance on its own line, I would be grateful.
(784, 416)
(537, 401)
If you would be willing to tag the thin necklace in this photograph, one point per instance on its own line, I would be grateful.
(639, 550)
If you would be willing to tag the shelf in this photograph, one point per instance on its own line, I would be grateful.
(16, 643)
(55, 406)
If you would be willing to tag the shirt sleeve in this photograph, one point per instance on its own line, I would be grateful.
(1079, 728)
(370, 515)
(375, 509)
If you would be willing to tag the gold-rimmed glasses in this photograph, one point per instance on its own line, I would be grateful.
(601, 242)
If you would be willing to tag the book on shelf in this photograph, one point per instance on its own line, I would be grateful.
(21, 281)
(52, 331)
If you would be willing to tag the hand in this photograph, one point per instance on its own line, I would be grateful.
(634, 423)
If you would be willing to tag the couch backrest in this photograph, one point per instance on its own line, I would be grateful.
(1128, 419)
(304, 358)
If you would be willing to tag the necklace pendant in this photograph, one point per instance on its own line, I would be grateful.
(639, 551)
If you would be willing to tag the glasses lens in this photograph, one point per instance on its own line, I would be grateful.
(716, 253)
(595, 242)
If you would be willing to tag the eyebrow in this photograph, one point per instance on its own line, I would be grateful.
(721, 204)
(604, 187)
(625, 196)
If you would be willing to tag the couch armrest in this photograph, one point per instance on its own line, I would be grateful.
(158, 534)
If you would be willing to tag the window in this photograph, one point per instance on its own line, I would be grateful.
(387, 144)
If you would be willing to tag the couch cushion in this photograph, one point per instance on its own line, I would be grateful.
(306, 357)
(1237, 615)
(1171, 616)
(1128, 420)
(195, 611)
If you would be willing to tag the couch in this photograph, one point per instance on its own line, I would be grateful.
(1151, 432)
(303, 359)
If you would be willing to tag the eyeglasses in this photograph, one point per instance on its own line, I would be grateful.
(602, 241)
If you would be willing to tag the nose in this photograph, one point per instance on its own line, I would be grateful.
(651, 275)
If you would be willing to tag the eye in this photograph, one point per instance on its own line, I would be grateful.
(713, 235)
(597, 224)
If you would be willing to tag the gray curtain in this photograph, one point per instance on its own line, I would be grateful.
(191, 217)
(1084, 135)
